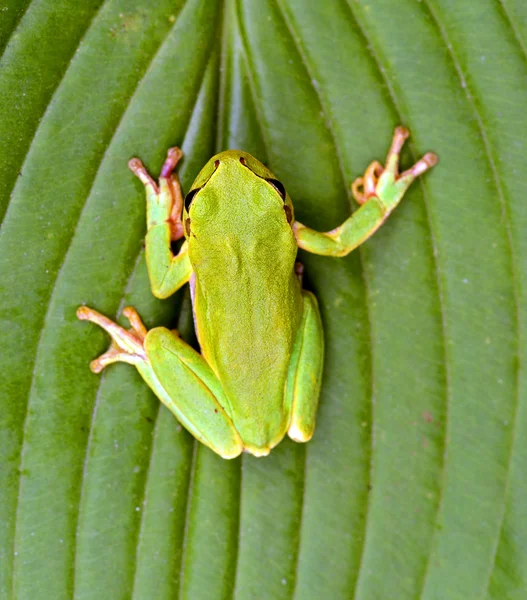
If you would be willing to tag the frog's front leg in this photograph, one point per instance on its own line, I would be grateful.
(178, 375)
(378, 192)
(164, 205)
(305, 371)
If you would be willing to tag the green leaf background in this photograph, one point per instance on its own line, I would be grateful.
(415, 483)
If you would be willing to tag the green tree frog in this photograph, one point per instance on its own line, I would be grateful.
(259, 371)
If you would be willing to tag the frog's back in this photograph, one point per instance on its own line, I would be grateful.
(247, 302)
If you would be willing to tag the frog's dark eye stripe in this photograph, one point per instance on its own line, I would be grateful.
(278, 186)
(189, 197)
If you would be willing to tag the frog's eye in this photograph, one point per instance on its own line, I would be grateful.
(278, 186)
(189, 197)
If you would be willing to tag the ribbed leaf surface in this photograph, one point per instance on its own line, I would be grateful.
(414, 485)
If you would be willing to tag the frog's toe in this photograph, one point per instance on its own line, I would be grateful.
(127, 344)
(113, 354)
(384, 182)
(257, 451)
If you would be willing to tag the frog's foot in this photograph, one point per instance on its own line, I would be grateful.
(127, 344)
(385, 183)
(165, 200)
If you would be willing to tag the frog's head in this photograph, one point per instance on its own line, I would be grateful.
(234, 174)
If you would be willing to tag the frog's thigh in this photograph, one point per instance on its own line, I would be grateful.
(185, 383)
(305, 372)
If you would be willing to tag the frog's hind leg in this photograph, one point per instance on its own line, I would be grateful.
(185, 383)
(178, 375)
(305, 372)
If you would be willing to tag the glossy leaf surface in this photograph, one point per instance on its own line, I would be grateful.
(414, 485)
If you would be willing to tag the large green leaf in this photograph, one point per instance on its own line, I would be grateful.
(414, 485)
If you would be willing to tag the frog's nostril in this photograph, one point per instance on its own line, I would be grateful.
(242, 160)
(216, 164)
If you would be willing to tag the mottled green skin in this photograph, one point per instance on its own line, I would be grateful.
(246, 296)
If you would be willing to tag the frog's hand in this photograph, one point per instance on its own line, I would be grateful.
(305, 372)
(378, 192)
(164, 203)
(177, 374)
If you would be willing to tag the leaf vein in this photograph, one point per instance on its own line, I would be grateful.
(50, 103)
(15, 28)
(506, 219)
(324, 105)
(193, 468)
(513, 27)
(399, 109)
(140, 81)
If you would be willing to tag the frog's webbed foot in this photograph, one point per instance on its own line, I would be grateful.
(127, 344)
(385, 183)
(165, 200)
